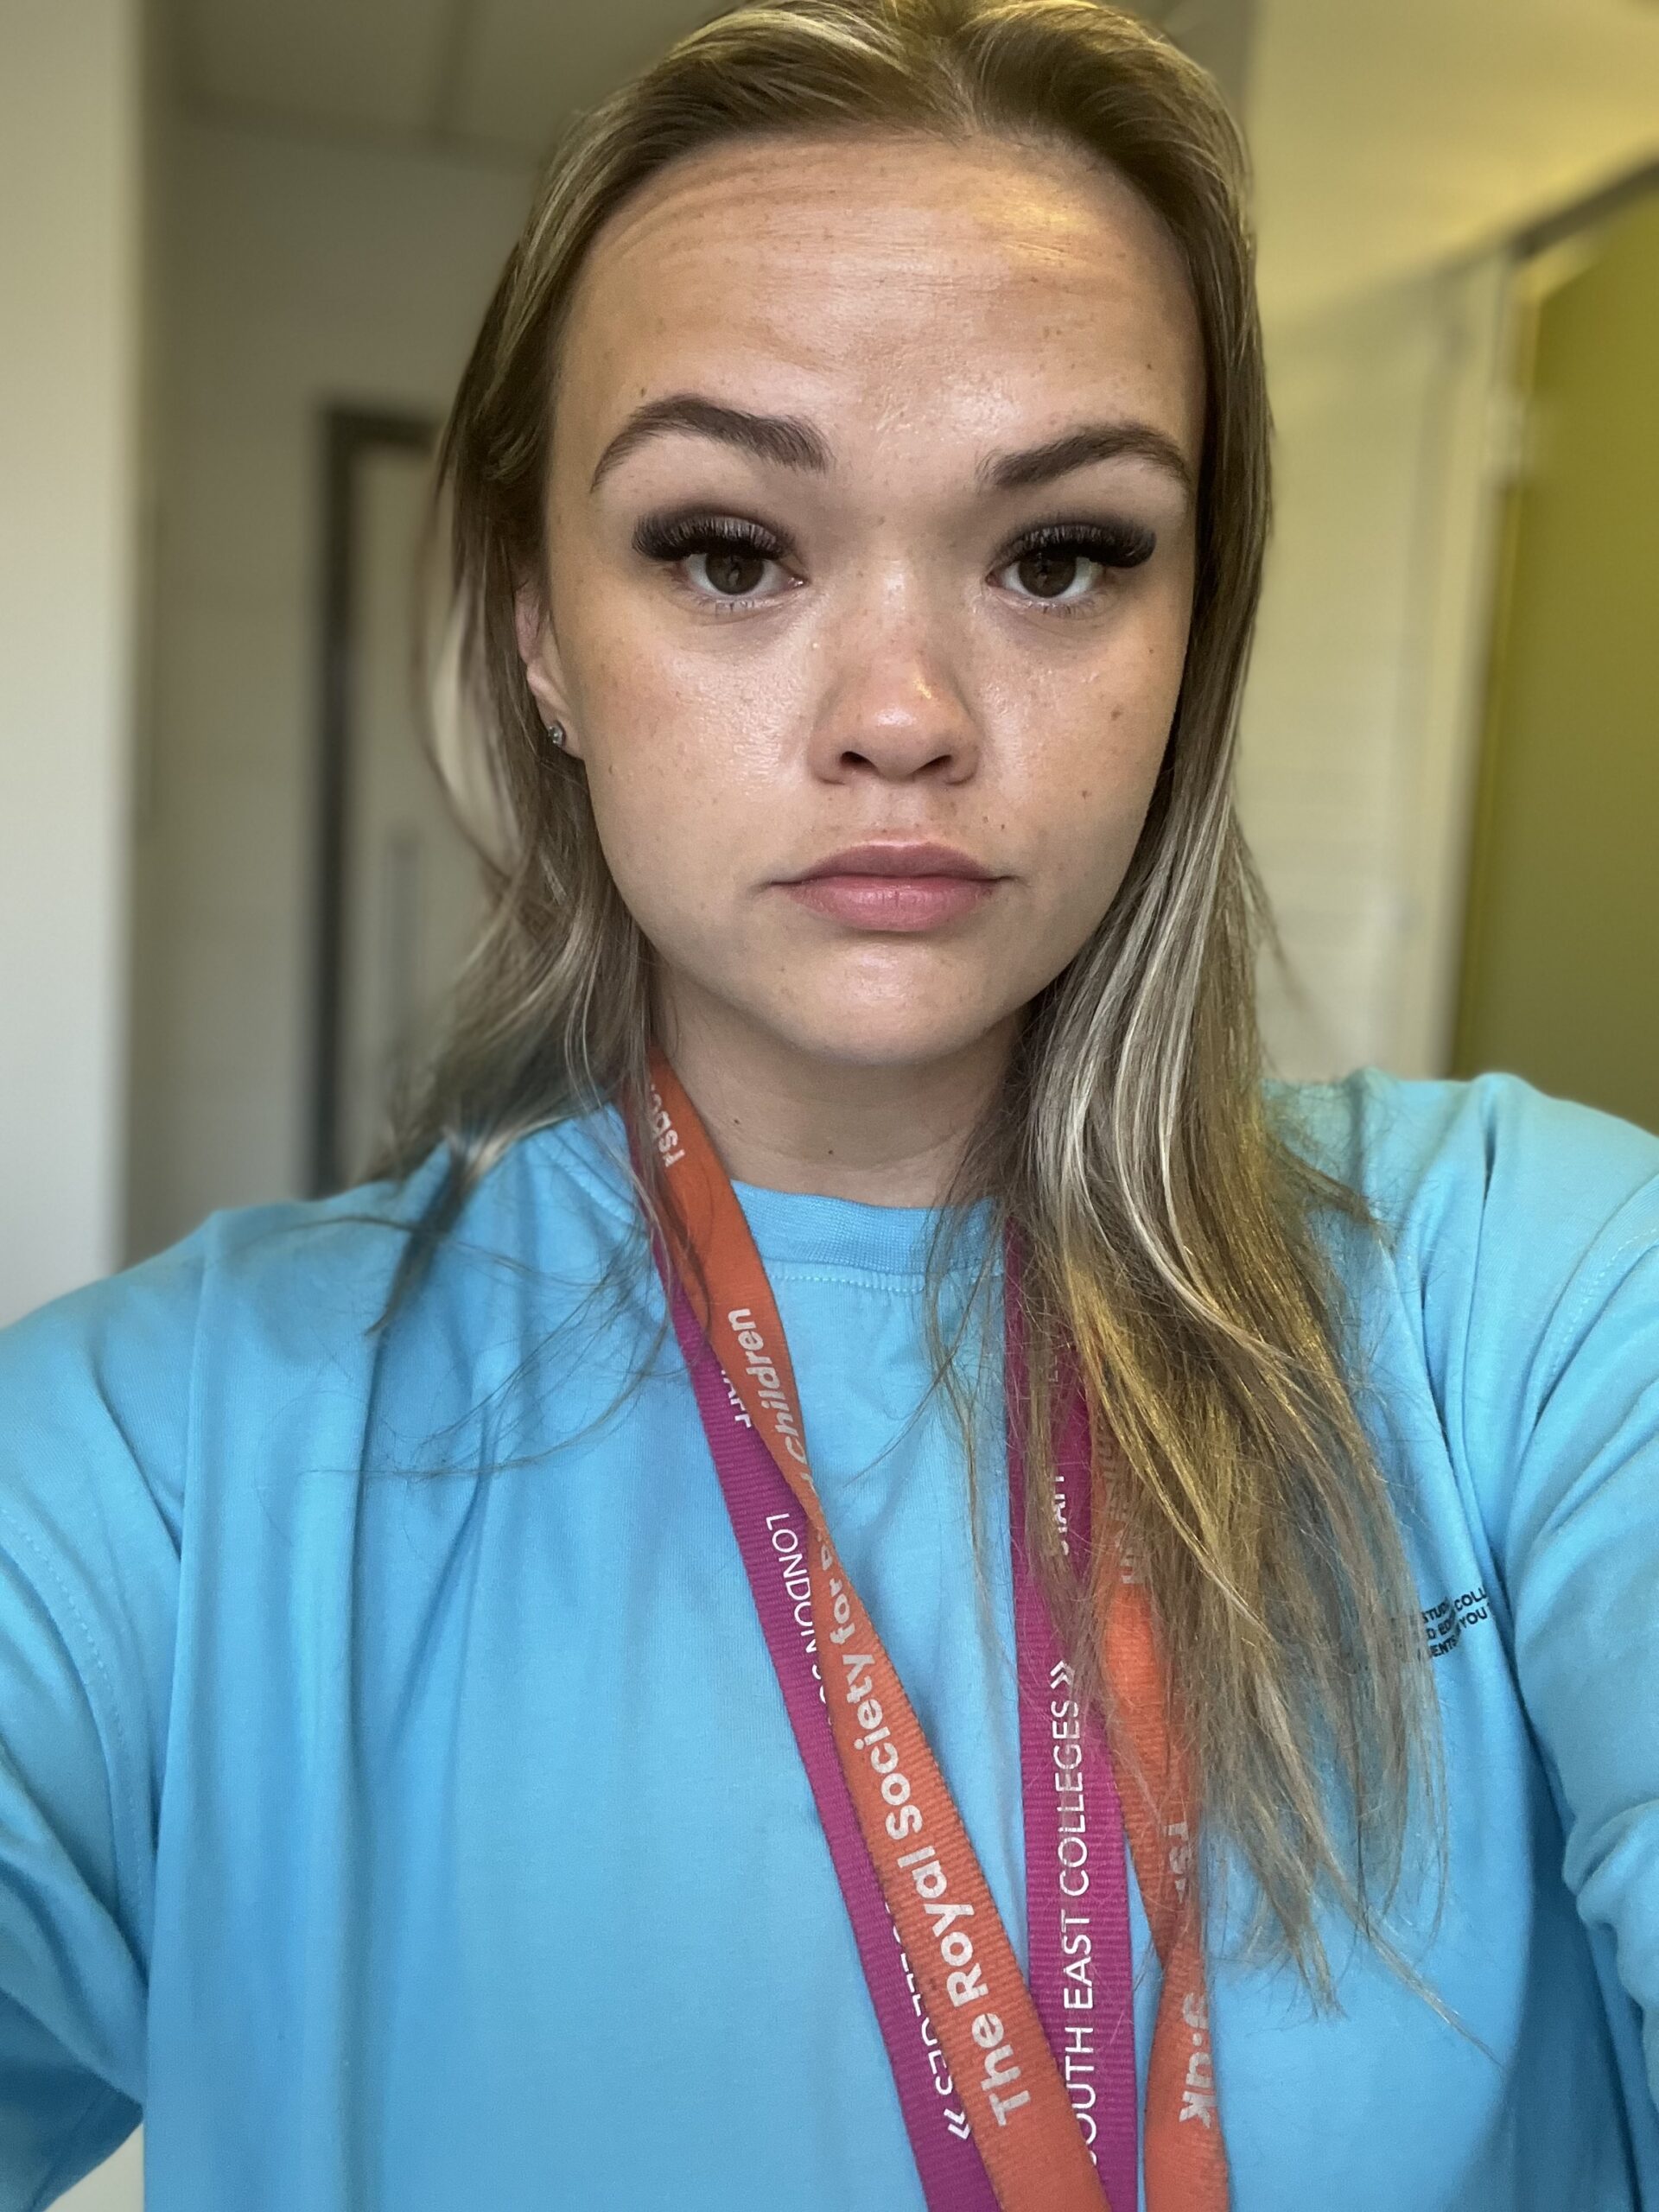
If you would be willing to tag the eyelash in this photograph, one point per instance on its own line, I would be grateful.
(669, 539)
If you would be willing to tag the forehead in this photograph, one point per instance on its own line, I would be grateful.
(883, 281)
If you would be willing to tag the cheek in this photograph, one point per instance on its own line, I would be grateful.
(682, 819)
(1154, 671)
(1095, 831)
(654, 820)
(1097, 747)
(683, 753)
(639, 754)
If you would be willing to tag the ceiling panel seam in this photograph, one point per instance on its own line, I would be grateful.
(454, 49)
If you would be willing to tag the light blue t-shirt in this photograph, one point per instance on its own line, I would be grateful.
(403, 1841)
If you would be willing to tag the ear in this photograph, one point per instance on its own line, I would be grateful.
(538, 650)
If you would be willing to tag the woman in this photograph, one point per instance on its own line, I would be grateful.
(871, 1573)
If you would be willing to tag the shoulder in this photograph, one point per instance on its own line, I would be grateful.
(261, 1301)
(1492, 1159)
(1518, 1267)
(143, 1321)
(104, 1377)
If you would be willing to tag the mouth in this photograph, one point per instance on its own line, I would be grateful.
(897, 860)
(894, 886)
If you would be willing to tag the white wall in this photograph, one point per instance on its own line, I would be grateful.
(70, 253)
(77, 264)
(1361, 719)
(303, 272)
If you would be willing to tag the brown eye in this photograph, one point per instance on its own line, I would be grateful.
(734, 570)
(1046, 562)
(1047, 574)
(735, 556)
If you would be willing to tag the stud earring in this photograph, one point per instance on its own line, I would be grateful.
(556, 731)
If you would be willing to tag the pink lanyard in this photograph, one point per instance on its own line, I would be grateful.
(1080, 1970)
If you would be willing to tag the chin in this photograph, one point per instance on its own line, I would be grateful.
(902, 1036)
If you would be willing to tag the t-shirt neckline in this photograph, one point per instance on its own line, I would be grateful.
(791, 1229)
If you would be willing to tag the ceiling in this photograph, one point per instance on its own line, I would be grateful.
(493, 78)
(1387, 134)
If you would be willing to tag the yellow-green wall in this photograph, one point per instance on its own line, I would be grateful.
(1561, 963)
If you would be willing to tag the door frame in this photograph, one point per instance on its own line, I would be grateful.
(349, 436)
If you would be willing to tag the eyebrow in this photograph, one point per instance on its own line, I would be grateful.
(788, 441)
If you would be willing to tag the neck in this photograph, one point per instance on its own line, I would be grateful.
(889, 1136)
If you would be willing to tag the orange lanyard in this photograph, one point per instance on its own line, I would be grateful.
(1012, 2087)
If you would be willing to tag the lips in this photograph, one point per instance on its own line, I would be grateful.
(894, 889)
(895, 858)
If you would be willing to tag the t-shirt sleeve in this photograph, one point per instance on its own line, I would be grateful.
(1561, 1383)
(94, 1419)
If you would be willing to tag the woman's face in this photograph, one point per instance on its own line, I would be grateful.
(816, 396)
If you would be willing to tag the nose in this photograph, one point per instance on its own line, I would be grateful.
(895, 714)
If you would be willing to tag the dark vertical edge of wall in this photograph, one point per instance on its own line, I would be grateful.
(347, 434)
(327, 904)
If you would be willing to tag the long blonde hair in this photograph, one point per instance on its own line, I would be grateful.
(1171, 1228)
